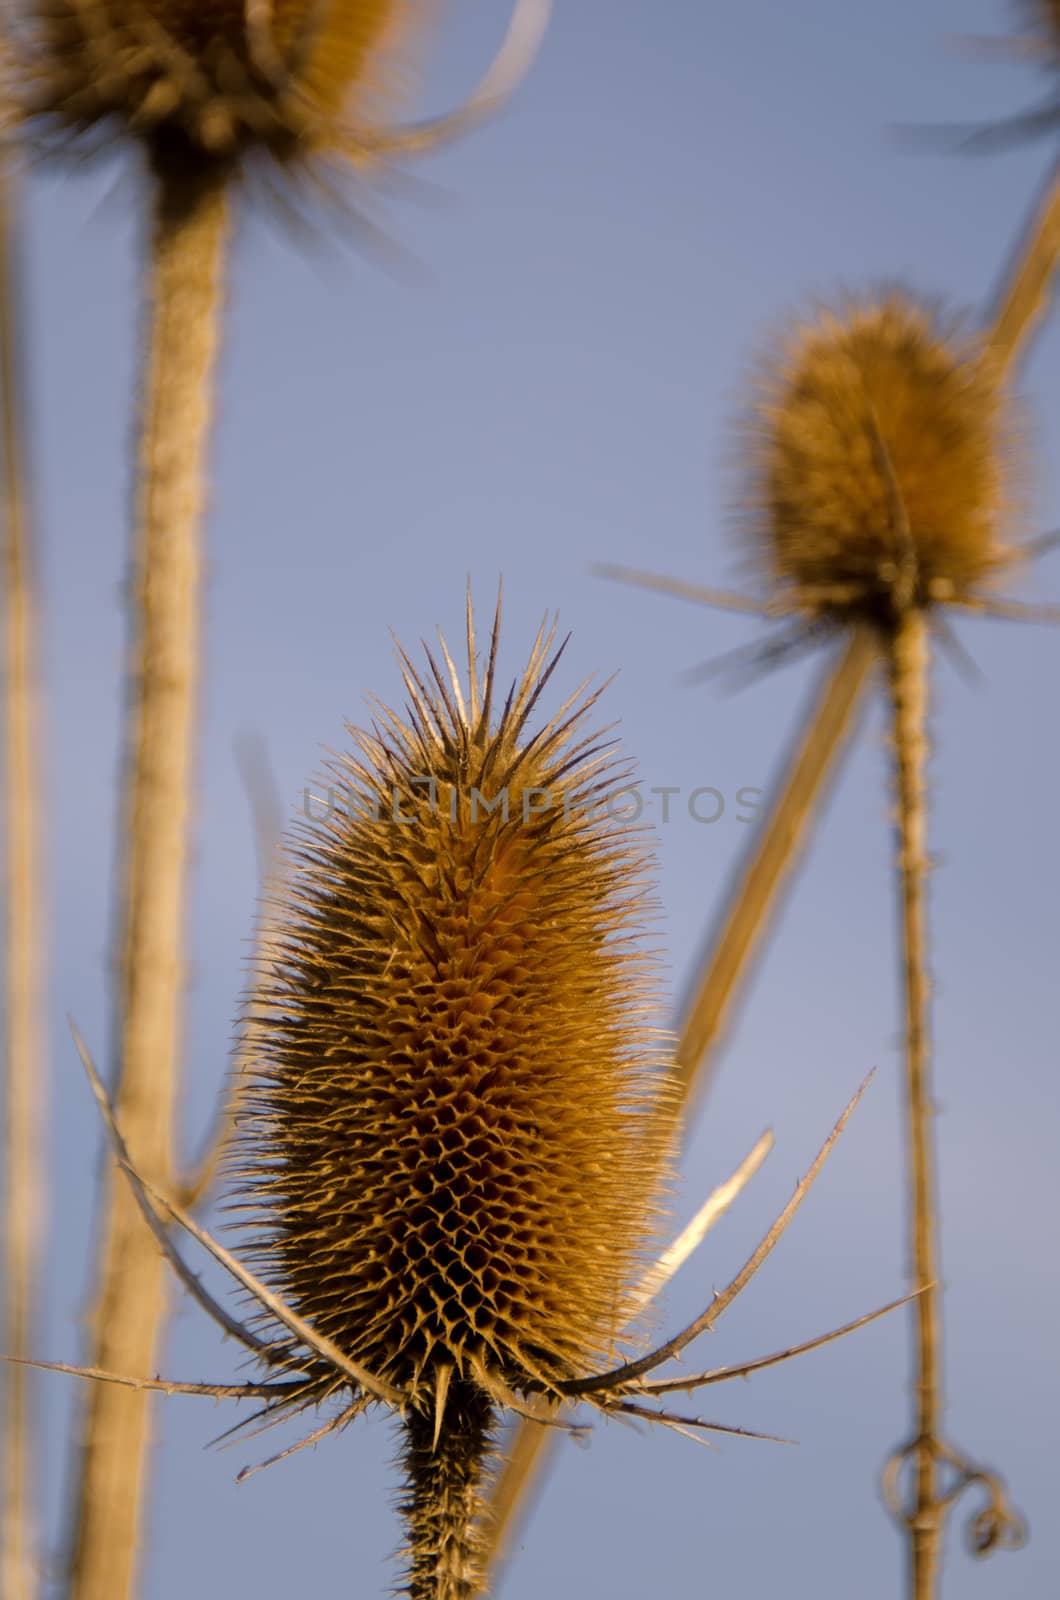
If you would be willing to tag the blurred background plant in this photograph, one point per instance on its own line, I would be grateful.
(25, 1074)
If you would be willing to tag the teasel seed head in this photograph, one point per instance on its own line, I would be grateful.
(881, 461)
(458, 1118)
(213, 79)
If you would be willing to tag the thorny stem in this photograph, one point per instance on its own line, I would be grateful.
(26, 1064)
(908, 670)
(184, 290)
(443, 1500)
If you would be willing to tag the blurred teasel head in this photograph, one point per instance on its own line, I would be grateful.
(215, 81)
(881, 461)
(457, 1118)
(214, 76)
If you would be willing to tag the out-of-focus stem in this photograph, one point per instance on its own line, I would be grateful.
(908, 670)
(184, 297)
(26, 1059)
(1022, 298)
(771, 857)
(725, 964)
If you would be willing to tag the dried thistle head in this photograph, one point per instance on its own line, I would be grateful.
(456, 1120)
(215, 79)
(880, 456)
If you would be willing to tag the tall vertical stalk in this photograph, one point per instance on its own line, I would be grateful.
(184, 298)
(25, 1047)
(908, 661)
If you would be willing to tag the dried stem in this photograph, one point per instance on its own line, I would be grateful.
(1023, 297)
(23, 1188)
(185, 288)
(908, 669)
(771, 858)
(444, 1466)
(772, 855)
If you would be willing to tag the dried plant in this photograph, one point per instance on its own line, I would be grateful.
(458, 1121)
(291, 84)
(882, 483)
(207, 94)
(454, 1006)
(26, 1063)
(1020, 303)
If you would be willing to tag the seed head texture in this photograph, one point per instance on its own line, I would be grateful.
(457, 1117)
(195, 74)
(880, 452)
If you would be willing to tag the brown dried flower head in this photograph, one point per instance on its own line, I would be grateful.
(457, 1118)
(217, 77)
(880, 452)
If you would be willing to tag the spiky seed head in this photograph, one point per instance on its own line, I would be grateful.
(879, 453)
(458, 1117)
(216, 79)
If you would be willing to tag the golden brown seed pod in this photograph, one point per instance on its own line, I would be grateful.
(217, 77)
(880, 460)
(457, 1120)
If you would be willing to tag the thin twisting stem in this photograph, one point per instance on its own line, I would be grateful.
(24, 1042)
(185, 285)
(908, 670)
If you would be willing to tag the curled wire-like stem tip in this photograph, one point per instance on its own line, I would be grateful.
(996, 1526)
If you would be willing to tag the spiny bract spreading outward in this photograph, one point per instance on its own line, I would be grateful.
(880, 451)
(217, 77)
(457, 1117)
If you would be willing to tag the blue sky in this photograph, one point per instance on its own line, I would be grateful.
(548, 378)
